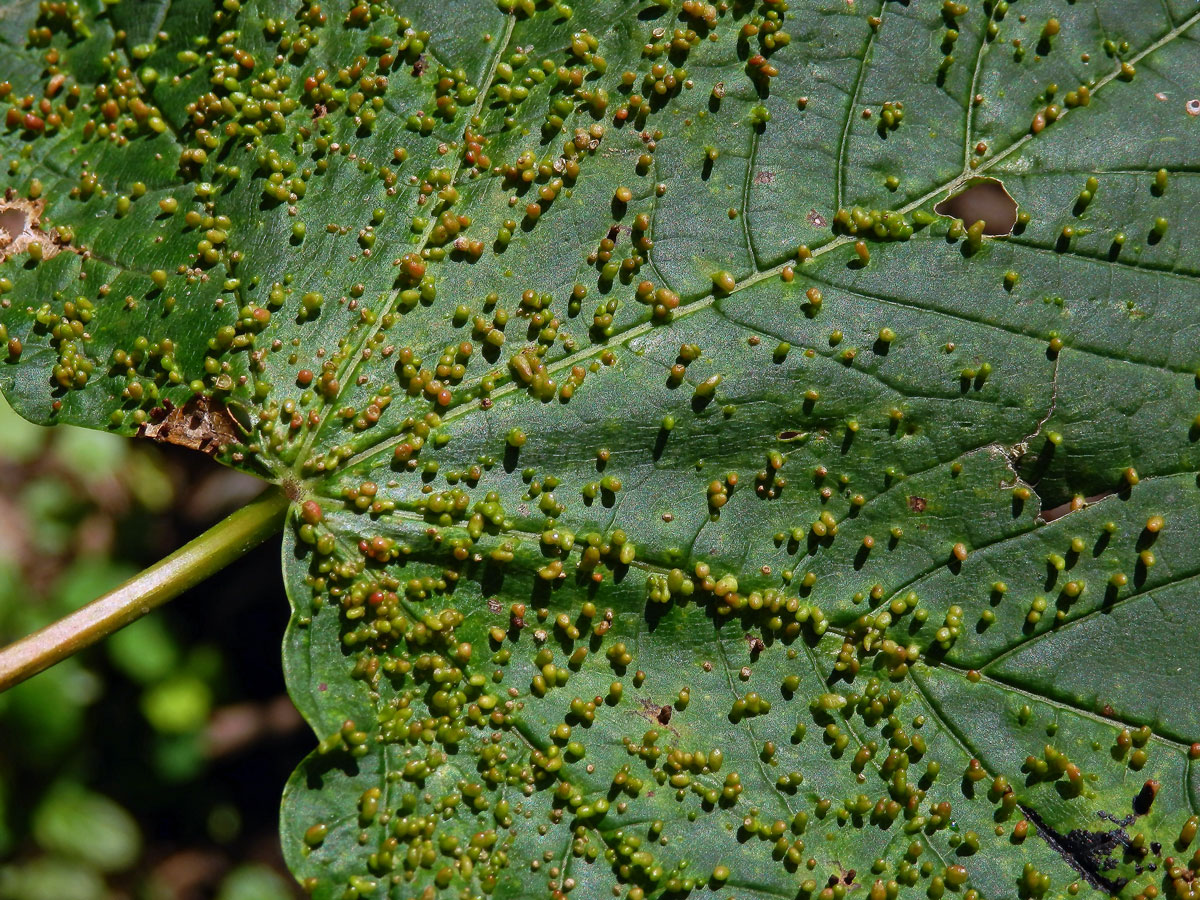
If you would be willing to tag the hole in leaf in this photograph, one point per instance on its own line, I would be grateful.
(13, 222)
(1057, 512)
(19, 220)
(986, 200)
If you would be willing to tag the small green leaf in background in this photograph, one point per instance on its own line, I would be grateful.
(74, 822)
(682, 505)
(178, 705)
(144, 650)
(51, 878)
(19, 440)
(253, 882)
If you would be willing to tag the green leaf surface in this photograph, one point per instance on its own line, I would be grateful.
(682, 506)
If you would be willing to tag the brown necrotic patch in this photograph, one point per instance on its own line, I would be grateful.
(20, 222)
(203, 423)
(986, 200)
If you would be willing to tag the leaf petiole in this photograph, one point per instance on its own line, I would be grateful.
(192, 563)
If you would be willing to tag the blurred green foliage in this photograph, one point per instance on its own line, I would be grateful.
(120, 734)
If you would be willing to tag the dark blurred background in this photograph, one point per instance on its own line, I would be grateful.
(149, 767)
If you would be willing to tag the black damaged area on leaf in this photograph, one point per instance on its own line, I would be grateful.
(1088, 852)
(1094, 854)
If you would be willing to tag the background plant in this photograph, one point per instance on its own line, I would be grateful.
(127, 770)
(678, 502)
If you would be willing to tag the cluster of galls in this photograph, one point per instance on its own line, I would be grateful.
(877, 224)
(69, 334)
(434, 383)
(768, 483)
(641, 244)
(890, 116)
(552, 174)
(1052, 111)
(413, 433)
(119, 108)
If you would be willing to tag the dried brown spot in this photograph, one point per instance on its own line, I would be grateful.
(764, 177)
(917, 504)
(656, 713)
(756, 643)
(493, 605)
(203, 423)
(815, 219)
(292, 488)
